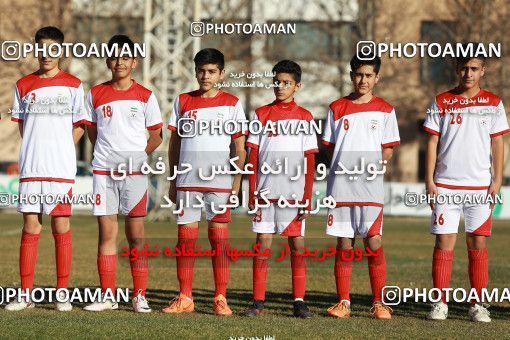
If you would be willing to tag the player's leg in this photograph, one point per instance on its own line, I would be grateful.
(187, 229)
(478, 221)
(259, 274)
(377, 273)
(263, 223)
(372, 224)
(343, 273)
(32, 225)
(342, 223)
(218, 238)
(106, 207)
(444, 224)
(134, 230)
(298, 266)
(106, 262)
(60, 227)
(133, 204)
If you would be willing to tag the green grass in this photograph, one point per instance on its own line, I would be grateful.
(408, 249)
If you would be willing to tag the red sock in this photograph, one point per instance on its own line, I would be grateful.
(478, 270)
(63, 256)
(442, 269)
(139, 273)
(343, 271)
(377, 272)
(218, 237)
(107, 266)
(259, 278)
(298, 264)
(27, 259)
(186, 264)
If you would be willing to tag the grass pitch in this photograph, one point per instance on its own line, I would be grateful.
(408, 248)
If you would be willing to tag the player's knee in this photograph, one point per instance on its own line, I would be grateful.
(136, 243)
(446, 241)
(32, 227)
(374, 242)
(60, 225)
(476, 241)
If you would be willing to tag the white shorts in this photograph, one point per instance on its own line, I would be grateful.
(127, 196)
(275, 219)
(45, 197)
(349, 221)
(193, 201)
(446, 217)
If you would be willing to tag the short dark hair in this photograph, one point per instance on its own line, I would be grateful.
(49, 32)
(356, 63)
(209, 56)
(461, 60)
(288, 66)
(120, 40)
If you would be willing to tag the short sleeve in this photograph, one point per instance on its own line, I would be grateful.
(310, 141)
(174, 115)
(254, 139)
(89, 109)
(328, 136)
(153, 120)
(240, 118)
(391, 136)
(18, 109)
(499, 124)
(79, 112)
(431, 124)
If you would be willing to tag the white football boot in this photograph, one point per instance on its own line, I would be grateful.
(439, 311)
(140, 304)
(479, 313)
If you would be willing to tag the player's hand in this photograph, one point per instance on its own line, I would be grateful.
(303, 216)
(493, 191)
(172, 192)
(432, 192)
(234, 198)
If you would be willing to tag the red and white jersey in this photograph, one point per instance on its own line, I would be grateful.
(48, 108)
(358, 133)
(121, 117)
(286, 150)
(465, 127)
(209, 148)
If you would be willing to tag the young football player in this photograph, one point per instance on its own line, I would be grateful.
(361, 129)
(464, 158)
(204, 150)
(297, 149)
(49, 109)
(120, 112)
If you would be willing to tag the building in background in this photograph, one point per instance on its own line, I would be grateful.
(325, 40)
